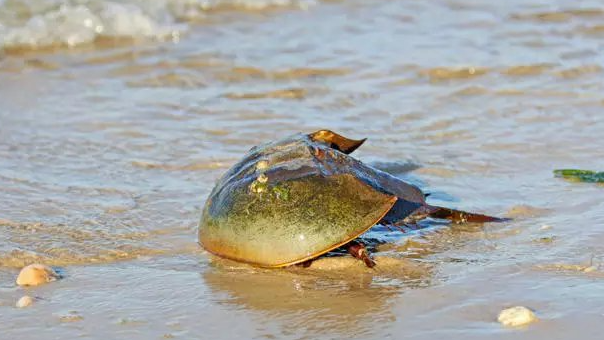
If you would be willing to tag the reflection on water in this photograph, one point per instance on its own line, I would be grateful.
(335, 296)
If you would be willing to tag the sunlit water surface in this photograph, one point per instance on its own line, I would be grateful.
(117, 118)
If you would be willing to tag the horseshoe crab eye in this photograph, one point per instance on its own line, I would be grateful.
(262, 165)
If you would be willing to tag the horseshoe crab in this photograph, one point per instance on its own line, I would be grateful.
(289, 201)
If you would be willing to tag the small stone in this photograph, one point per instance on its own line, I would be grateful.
(36, 274)
(516, 316)
(546, 227)
(24, 301)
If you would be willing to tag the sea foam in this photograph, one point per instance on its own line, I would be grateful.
(69, 23)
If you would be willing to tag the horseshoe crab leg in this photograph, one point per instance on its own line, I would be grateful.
(358, 250)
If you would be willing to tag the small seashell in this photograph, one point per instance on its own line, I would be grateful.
(24, 301)
(36, 274)
(516, 316)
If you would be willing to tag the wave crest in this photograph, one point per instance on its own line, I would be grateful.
(69, 23)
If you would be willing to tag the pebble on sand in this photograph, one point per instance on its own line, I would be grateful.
(36, 274)
(25, 301)
(516, 316)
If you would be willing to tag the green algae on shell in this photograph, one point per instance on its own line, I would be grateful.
(268, 227)
(291, 200)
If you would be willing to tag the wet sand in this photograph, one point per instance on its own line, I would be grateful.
(108, 150)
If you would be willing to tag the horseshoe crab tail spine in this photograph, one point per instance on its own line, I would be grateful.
(458, 216)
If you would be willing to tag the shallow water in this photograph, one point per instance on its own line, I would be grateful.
(108, 149)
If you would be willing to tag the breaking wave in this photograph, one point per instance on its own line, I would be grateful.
(68, 23)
